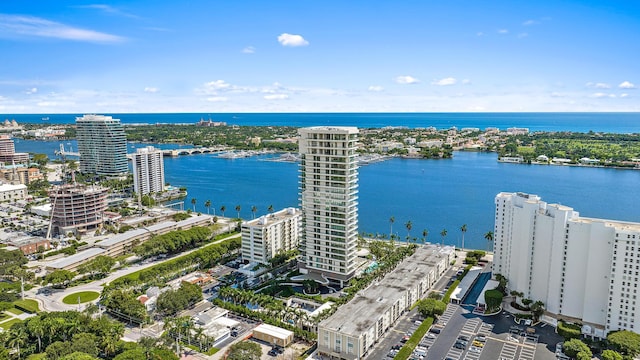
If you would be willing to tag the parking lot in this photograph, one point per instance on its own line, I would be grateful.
(461, 335)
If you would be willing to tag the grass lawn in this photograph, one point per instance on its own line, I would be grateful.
(15, 311)
(85, 296)
(27, 305)
(41, 356)
(3, 316)
(7, 324)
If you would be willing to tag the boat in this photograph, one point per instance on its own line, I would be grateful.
(45, 118)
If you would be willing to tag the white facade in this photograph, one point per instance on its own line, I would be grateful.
(266, 236)
(12, 193)
(582, 269)
(329, 196)
(148, 170)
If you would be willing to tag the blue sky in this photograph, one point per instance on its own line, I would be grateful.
(318, 56)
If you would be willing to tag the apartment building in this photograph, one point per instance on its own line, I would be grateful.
(102, 145)
(583, 269)
(148, 170)
(266, 236)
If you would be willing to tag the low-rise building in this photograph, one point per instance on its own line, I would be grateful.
(11, 193)
(73, 262)
(273, 335)
(266, 236)
(30, 245)
(356, 326)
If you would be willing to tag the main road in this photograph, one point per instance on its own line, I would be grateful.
(52, 300)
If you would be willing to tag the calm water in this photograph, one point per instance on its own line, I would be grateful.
(578, 122)
(432, 194)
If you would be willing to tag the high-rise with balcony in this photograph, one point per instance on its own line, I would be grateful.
(148, 170)
(102, 145)
(329, 198)
(584, 270)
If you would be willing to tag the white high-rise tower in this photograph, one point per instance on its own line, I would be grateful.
(102, 145)
(148, 170)
(329, 196)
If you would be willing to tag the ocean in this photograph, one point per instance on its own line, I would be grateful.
(577, 122)
(432, 194)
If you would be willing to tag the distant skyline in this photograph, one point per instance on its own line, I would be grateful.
(312, 56)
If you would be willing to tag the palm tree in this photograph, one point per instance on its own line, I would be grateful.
(253, 210)
(270, 209)
(489, 236)
(36, 327)
(409, 226)
(238, 210)
(391, 221)
(223, 209)
(207, 204)
(17, 337)
(443, 233)
(193, 202)
(425, 233)
(463, 229)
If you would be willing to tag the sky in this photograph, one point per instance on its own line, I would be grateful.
(319, 56)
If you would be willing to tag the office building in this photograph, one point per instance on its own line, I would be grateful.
(12, 193)
(584, 270)
(77, 208)
(268, 235)
(329, 197)
(102, 145)
(148, 170)
(356, 326)
(8, 154)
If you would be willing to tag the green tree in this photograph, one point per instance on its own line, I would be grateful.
(493, 299)
(85, 343)
(409, 226)
(223, 209)
(58, 278)
(238, 208)
(100, 265)
(443, 233)
(11, 262)
(391, 221)
(489, 237)
(431, 307)
(78, 355)
(463, 229)
(207, 204)
(625, 342)
(193, 202)
(245, 350)
(425, 233)
(57, 350)
(17, 338)
(611, 355)
(40, 159)
(574, 347)
(253, 210)
(270, 209)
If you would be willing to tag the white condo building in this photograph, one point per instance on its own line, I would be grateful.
(148, 170)
(583, 269)
(266, 236)
(329, 197)
(102, 145)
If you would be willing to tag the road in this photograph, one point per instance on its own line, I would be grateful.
(53, 300)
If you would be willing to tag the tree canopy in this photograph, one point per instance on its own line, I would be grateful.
(172, 301)
(431, 307)
(576, 349)
(625, 341)
(245, 350)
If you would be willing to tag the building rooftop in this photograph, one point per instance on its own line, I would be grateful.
(76, 258)
(9, 187)
(274, 331)
(466, 283)
(275, 217)
(121, 237)
(364, 309)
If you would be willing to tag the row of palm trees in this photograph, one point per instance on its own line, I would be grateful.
(207, 204)
(181, 328)
(409, 225)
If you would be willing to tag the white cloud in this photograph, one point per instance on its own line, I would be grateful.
(375, 88)
(12, 25)
(530, 22)
(32, 90)
(601, 95)
(624, 95)
(292, 40)
(276, 97)
(212, 87)
(150, 89)
(598, 85)
(108, 9)
(503, 31)
(217, 99)
(406, 79)
(445, 81)
(626, 85)
(249, 50)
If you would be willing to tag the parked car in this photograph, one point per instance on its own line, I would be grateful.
(459, 345)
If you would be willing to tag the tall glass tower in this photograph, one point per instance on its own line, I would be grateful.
(102, 145)
(329, 197)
